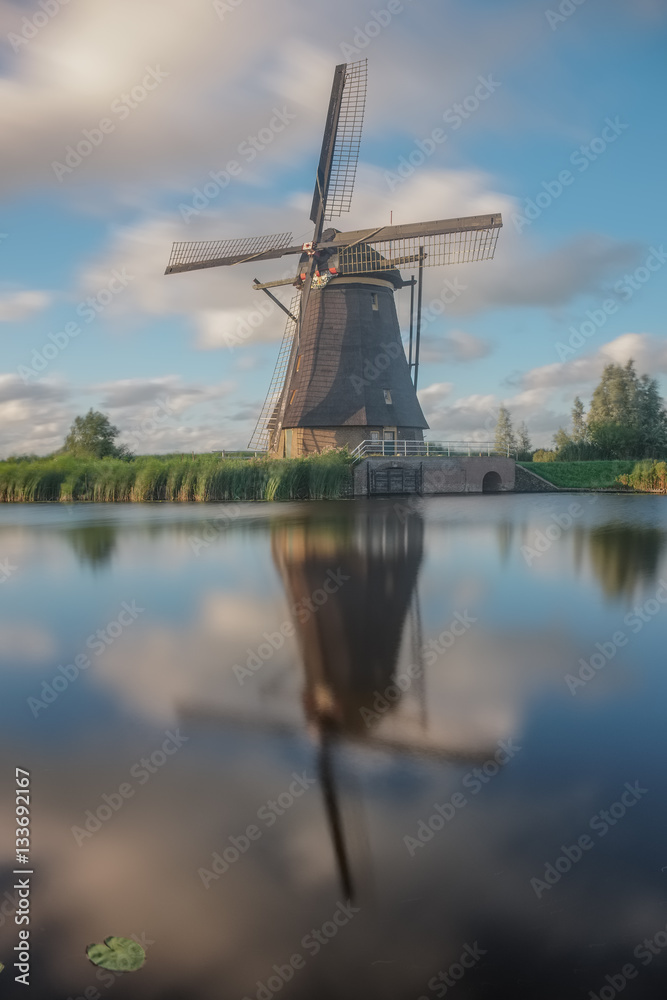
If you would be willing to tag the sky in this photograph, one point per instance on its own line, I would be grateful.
(126, 126)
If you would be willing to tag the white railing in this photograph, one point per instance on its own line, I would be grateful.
(435, 449)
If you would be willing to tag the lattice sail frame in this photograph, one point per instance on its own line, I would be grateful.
(245, 247)
(436, 250)
(348, 141)
(267, 422)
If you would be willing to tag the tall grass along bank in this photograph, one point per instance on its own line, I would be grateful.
(176, 478)
(648, 476)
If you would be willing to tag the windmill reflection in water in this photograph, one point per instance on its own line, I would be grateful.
(350, 648)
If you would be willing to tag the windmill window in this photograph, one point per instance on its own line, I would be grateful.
(298, 362)
(291, 399)
(387, 395)
(375, 305)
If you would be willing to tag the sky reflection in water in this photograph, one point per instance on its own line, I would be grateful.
(380, 724)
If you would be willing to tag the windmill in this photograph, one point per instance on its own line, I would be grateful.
(342, 322)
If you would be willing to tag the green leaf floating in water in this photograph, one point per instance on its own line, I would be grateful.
(120, 954)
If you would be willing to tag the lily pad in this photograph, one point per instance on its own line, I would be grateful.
(119, 954)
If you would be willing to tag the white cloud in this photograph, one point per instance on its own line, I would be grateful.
(157, 415)
(649, 352)
(458, 346)
(473, 418)
(225, 76)
(170, 390)
(16, 306)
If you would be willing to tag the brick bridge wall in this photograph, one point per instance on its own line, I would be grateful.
(435, 475)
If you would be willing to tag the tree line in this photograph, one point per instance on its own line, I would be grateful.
(626, 419)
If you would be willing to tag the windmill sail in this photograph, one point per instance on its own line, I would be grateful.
(442, 248)
(268, 420)
(217, 253)
(348, 140)
(337, 168)
(443, 241)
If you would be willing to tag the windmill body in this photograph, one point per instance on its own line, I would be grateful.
(342, 375)
(350, 379)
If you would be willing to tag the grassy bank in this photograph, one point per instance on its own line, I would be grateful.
(179, 478)
(582, 475)
(647, 476)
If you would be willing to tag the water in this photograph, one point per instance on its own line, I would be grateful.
(264, 768)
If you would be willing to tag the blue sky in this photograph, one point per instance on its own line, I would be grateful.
(168, 93)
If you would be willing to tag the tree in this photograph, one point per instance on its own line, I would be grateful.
(626, 418)
(94, 436)
(579, 428)
(611, 402)
(505, 440)
(523, 442)
(561, 439)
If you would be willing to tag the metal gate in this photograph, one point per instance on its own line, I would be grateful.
(406, 479)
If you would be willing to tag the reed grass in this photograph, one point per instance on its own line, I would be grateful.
(649, 476)
(175, 478)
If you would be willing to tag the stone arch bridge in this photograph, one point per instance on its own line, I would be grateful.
(378, 475)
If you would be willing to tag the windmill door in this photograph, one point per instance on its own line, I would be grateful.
(389, 436)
